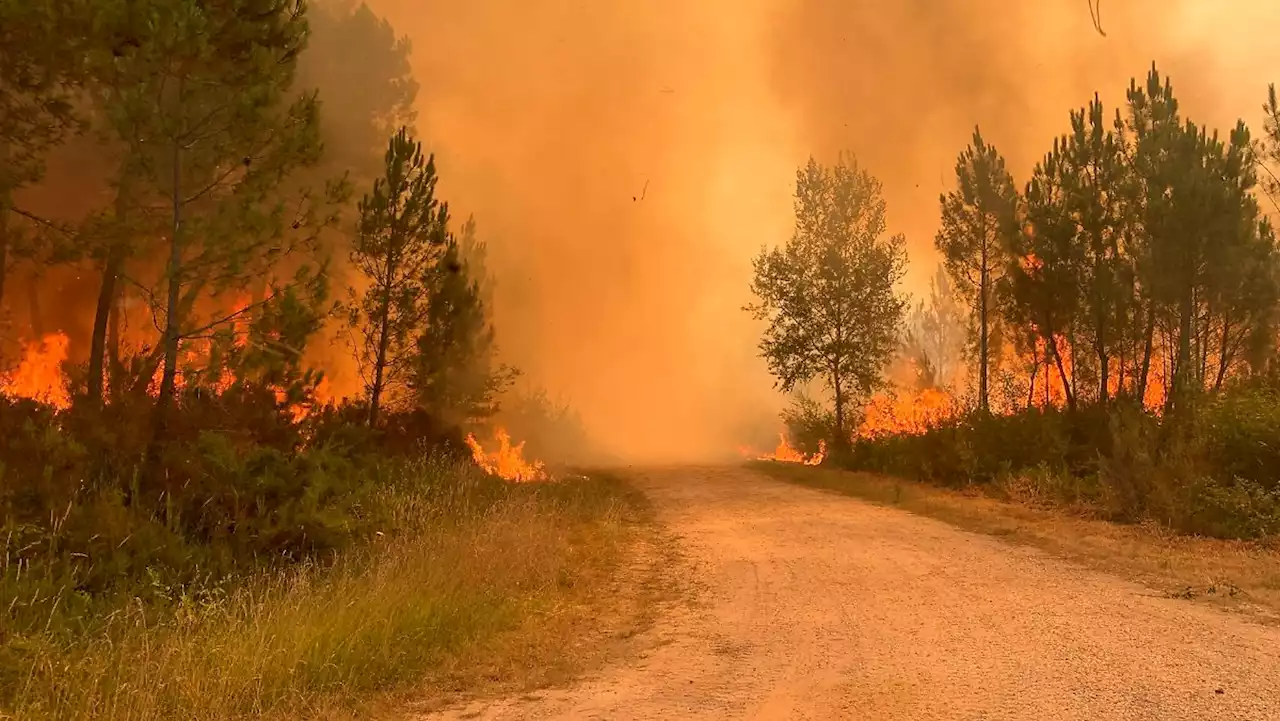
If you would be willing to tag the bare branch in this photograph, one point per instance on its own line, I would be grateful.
(1095, 14)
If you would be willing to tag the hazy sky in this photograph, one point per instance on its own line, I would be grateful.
(549, 116)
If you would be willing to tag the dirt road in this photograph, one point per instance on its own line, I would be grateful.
(815, 606)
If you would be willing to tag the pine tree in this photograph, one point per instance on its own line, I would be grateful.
(1097, 168)
(455, 377)
(1044, 279)
(828, 293)
(402, 237)
(978, 220)
(201, 95)
(1205, 258)
(361, 70)
(39, 70)
(936, 332)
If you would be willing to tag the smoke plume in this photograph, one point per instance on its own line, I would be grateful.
(625, 159)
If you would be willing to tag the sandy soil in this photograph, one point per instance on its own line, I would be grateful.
(808, 605)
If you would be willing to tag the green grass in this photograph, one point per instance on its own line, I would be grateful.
(476, 581)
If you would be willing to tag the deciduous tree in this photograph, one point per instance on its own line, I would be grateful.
(828, 293)
(936, 332)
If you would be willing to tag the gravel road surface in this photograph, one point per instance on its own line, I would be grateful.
(809, 605)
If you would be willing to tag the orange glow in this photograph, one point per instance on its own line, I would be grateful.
(891, 414)
(321, 395)
(785, 453)
(507, 461)
(240, 321)
(39, 375)
(1050, 390)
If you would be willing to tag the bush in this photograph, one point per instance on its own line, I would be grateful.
(1240, 432)
(91, 505)
(809, 424)
(1218, 475)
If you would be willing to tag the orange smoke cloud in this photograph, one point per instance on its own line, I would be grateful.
(625, 159)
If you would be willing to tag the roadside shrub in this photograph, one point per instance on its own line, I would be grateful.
(1240, 436)
(1217, 475)
(90, 506)
(808, 424)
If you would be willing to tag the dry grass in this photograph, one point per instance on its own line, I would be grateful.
(1241, 576)
(499, 592)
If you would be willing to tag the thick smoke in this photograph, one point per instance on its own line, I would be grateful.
(626, 159)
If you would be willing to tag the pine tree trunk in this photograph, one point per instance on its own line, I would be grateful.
(1182, 362)
(1104, 382)
(1148, 346)
(1067, 386)
(108, 291)
(104, 312)
(113, 345)
(1121, 369)
(983, 360)
(1104, 361)
(172, 331)
(841, 441)
(1224, 358)
(4, 245)
(384, 341)
(1035, 371)
(6, 198)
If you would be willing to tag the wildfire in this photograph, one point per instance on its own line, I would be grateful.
(785, 453)
(507, 461)
(891, 414)
(39, 375)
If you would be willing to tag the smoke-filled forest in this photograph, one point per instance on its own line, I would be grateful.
(325, 327)
(202, 214)
(1103, 335)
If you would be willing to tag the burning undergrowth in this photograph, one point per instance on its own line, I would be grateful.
(786, 453)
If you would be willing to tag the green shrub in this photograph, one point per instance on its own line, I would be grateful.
(1218, 475)
(91, 506)
(1240, 433)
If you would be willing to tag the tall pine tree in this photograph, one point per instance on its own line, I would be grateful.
(402, 237)
(215, 126)
(979, 218)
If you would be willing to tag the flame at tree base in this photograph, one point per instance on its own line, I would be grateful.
(507, 461)
(39, 375)
(785, 453)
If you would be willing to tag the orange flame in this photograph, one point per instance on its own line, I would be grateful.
(508, 461)
(786, 453)
(39, 375)
(890, 414)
